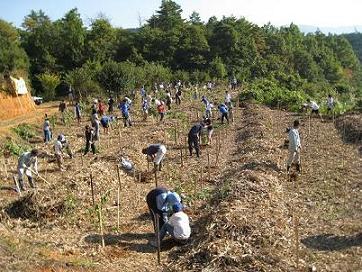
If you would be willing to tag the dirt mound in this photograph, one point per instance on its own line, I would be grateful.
(35, 207)
(247, 228)
(11, 106)
(350, 126)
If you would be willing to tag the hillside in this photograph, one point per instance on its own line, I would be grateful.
(244, 216)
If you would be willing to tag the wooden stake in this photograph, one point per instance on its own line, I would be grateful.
(81, 157)
(182, 161)
(175, 135)
(156, 181)
(119, 134)
(101, 222)
(139, 177)
(158, 238)
(309, 124)
(92, 189)
(17, 185)
(201, 170)
(118, 196)
(134, 174)
(208, 165)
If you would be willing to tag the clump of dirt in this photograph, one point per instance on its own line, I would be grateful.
(350, 126)
(35, 207)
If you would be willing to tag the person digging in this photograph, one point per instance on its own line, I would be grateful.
(159, 201)
(27, 164)
(294, 147)
(178, 226)
(193, 138)
(155, 153)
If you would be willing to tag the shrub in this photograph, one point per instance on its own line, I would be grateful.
(25, 131)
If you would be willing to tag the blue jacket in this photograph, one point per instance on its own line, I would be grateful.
(124, 107)
(223, 108)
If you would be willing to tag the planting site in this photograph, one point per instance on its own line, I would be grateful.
(246, 213)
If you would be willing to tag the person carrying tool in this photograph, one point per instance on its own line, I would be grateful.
(178, 226)
(155, 152)
(294, 147)
(66, 145)
(28, 164)
(193, 138)
(159, 202)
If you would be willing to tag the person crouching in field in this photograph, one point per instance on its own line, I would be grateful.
(106, 123)
(155, 152)
(27, 164)
(294, 147)
(314, 107)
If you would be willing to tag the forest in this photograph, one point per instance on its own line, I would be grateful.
(273, 65)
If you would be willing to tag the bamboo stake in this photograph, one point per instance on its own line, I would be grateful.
(101, 222)
(139, 177)
(81, 157)
(119, 134)
(208, 165)
(309, 124)
(118, 197)
(134, 174)
(182, 161)
(175, 135)
(92, 188)
(156, 181)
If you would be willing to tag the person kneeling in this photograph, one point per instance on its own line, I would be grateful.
(178, 226)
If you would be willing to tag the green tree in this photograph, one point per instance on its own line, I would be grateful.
(217, 69)
(167, 17)
(101, 40)
(49, 83)
(12, 56)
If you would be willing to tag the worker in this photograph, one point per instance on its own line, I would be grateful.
(178, 226)
(178, 96)
(194, 138)
(227, 99)
(224, 113)
(62, 109)
(58, 150)
(145, 108)
(330, 104)
(159, 202)
(77, 112)
(66, 145)
(210, 130)
(101, 107)
(89, 141)
(28, 164)
(106, 123)
(294, 147)
(161, 110)
(124, 106)
(110, 105)
(47, 130)
(168, 99)
(155, 153)
(314, 107)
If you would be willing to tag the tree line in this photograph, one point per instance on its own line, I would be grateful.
(167, 47)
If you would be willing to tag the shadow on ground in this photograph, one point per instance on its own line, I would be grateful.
(332, 242)
(130, 241)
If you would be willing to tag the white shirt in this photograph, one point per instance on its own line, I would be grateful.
(314, 105)
(294, 139)
(181, 225)
(58, 148)
(27, 161)
(209, 106)
(228, 98)
(330, 102)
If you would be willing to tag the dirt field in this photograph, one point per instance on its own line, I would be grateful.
(244, 216)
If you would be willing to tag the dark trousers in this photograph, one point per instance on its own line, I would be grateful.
(178, 100)
(91, 145)
(162, 115)
(152, 206)
(127, 120)
(224, 116)
(193, 142)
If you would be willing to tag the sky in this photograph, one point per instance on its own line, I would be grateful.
(127, 13)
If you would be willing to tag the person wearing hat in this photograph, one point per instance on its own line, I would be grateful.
(159, 202)
(178, 226)
(28, 164)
